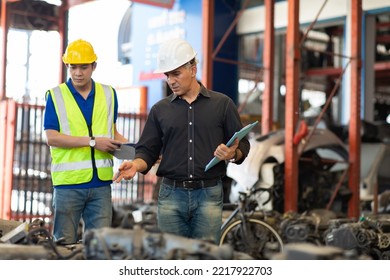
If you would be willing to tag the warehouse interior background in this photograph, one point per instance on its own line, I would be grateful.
(285, 63)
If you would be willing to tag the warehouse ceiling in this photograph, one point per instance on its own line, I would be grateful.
(37, 14)
(33, 15)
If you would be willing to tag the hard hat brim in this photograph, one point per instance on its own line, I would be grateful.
(172, 67)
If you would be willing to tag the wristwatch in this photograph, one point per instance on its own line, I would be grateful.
(92, 142)
(234, 159)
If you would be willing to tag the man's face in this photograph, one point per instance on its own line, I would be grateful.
(81, 74)
(180, 79)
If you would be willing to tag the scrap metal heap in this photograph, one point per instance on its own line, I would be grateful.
(133, 236)
(317, 234)
(369, 236)
(140, 244)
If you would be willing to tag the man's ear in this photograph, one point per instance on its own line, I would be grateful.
(194, 70)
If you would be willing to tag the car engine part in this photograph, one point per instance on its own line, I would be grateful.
(139, 243)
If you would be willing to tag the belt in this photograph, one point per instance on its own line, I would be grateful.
(193, 184)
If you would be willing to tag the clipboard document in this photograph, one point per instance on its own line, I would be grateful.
(237, 135)
(125, 151)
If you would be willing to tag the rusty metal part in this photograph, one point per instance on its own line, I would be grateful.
(23, 252)
(139, 243)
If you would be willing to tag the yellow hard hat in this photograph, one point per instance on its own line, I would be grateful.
(79, 52)
(173, 54)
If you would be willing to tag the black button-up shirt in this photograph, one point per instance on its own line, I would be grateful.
(186, 135)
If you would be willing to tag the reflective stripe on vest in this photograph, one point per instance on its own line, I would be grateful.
(68, 166)
(75, 166)
(62, 113)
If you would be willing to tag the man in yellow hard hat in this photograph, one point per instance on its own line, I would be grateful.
(79, 122)
(188, 128)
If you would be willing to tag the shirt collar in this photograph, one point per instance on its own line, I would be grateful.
(203, 91)
(74, 91)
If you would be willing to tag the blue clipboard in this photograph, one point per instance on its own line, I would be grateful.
(239, 134)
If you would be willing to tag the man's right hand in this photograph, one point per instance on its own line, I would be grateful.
(126, 171)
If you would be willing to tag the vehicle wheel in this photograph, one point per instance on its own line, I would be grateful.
(261, 242)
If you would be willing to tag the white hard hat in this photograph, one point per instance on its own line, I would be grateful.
(173, 54)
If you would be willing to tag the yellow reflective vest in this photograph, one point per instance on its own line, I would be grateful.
(75, 165)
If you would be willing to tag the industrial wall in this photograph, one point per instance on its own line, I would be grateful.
(150, 26)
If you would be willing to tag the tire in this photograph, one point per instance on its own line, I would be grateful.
(267, 241)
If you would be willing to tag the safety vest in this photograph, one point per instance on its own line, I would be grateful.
(75, 165)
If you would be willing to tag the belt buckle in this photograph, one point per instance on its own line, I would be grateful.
(188, 184)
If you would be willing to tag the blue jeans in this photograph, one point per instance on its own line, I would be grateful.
(193, 213)
(93, 205)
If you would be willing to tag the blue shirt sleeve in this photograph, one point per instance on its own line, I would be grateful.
(50, 118)
(115, 106)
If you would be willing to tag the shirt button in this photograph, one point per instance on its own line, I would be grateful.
(190, 158)
(190, 140)
(190, 175)
(190, 123)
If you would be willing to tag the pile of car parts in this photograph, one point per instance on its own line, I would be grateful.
(132, 238)
(332, 236)
(141, 244)
(307, 251)
(321, 164)
(307, 227)
(369, 236)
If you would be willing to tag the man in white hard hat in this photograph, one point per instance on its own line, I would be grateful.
(80, 119)
(188, 128)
